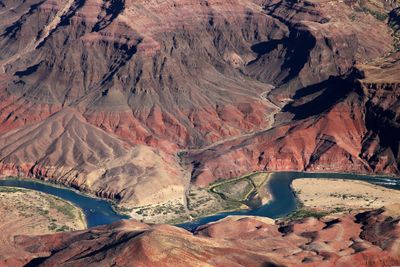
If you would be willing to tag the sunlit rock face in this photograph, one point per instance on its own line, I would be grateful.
(103, 95)
(366, 239)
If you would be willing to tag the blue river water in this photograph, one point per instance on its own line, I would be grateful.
(100, 212)
(283, 199)
(97, 211)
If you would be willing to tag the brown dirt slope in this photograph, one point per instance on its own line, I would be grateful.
(370, 239)
(27, 212)
(66, 148)
(92, 91)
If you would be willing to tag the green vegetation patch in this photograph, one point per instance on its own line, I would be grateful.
(6, 189)
(121, 209)
(305, 213)
(378, 15)
(240, 189)
(302, 213)
(259, 179)
(235, 191)
(222, 195)
(45, 203)
(65, 208)
(166, 208)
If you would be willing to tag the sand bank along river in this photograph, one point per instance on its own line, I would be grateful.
(283, 201)
(96, 211)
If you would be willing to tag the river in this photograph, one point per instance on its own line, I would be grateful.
(99, 212)
(283, 199)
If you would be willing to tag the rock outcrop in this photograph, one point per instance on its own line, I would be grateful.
(346, 123)
(103, 95)
(366, 239)
(67, 149)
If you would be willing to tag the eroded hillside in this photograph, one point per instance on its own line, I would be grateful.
(133, 100)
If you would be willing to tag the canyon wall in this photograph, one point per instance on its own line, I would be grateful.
(134, 100)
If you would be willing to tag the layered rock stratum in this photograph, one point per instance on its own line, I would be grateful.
(370, 238)
(138, 100)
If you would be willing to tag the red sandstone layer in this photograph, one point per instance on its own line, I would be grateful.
(91, 88)
(366, 239)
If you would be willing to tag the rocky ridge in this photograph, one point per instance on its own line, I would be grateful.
(171, 93)
(370, 238)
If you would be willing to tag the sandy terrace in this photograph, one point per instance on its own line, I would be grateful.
(28, 212)
(324, 194)
(203, 202)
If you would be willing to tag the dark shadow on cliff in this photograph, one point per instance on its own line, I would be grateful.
(383, 123)
(12, 30)
(296, 50)
(318, 98)
(111, 13)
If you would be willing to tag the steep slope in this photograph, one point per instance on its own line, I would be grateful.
(99, 94)
(382, 85)
(347, 122)
(139, 68)
(367, 239)
(67, 149)
(179, 77)
(357, 130)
